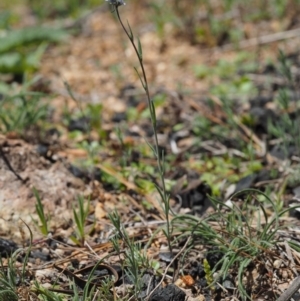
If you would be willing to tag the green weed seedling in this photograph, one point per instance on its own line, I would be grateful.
(208, 274)
(12, 277)
(286, 128)
(92, 113)
(20, 54)
(242, 236)
(88, 293)
(80, 217)
(8, 281)
(22, 111)
(131, 255)
(46, 295)
(21, 50)
(39, 208)
(136, 261)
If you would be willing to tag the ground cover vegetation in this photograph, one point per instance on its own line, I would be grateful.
(149, 150)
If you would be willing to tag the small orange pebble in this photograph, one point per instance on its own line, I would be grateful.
(141, 106)
(12, 135)
(129, 141)
(188, 280)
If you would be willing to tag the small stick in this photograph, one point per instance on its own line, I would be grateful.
(6, 161)
(253, 42)
(291, 290)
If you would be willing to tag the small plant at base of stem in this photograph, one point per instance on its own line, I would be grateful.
(41, 214)
(143, 78)
(132, 256)
(80, 217)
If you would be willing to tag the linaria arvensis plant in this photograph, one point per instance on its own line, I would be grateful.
(160, 159)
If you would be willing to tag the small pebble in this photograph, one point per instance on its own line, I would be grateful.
(277, 263)
(285, 274)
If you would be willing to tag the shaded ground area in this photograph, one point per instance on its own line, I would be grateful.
(227, 120)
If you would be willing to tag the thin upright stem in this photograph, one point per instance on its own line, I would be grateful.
(159, 161)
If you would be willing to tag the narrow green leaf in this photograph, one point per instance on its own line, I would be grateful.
(8, 295)
(75, 240)
(76, 218)
(5, 122)
(40, 212)
(159, 190)
(241, 270)
(140, 49)
(144, 86)
(153, 114)
(130, 32)
(152, 148)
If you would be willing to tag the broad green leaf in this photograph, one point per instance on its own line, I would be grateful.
(30, 35)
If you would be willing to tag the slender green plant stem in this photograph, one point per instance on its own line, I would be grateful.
(152, 111)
